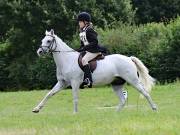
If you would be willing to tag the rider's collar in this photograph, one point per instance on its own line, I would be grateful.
(84, 28)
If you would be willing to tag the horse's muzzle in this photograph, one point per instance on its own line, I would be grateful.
(40, 52)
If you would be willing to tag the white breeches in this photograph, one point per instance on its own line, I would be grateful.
(89, 56)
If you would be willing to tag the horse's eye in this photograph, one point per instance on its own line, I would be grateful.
(48, 41)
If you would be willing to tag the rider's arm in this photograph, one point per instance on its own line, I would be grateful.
(81, 47)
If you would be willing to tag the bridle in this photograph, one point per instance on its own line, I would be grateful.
(50, 47)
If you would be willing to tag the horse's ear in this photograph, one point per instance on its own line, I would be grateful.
(46, 32)
(52, 32)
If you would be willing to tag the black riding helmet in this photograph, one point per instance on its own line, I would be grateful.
(84, 16)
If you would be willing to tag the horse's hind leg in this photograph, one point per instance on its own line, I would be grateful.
(118, 90)
(139, 86)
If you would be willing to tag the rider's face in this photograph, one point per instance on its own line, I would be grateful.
(81, 24)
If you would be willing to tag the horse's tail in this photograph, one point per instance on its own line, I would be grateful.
(144, 76)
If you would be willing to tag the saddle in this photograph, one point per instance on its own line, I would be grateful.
(92, 63)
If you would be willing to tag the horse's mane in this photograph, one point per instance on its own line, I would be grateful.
(62, 44)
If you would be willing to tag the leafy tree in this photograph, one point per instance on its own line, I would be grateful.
(23, 24)
(156, 10)
(168, 60)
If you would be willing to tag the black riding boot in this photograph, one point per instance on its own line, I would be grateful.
(87, 77)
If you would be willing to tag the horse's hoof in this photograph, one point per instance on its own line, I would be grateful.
(119, 108)
(35, 110)
(154, 108)
(74, 113)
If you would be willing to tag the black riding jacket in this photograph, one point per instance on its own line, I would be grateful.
(89, 41)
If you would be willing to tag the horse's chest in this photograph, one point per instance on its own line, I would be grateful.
(83, 38)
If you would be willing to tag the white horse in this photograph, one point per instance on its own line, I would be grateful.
(68, 72)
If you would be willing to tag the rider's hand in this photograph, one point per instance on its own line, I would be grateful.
(80, 50)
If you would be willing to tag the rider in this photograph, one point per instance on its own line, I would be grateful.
(89, 44)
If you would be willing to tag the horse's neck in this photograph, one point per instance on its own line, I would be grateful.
(62, 46)
(65, 57)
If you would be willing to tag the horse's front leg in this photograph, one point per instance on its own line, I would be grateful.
(58, 87)
(75, 88)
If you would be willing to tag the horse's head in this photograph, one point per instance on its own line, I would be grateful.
(48, 43)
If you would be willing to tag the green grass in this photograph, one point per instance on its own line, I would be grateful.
(95, 116)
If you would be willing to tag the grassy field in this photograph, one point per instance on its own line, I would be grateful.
(97, 115)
